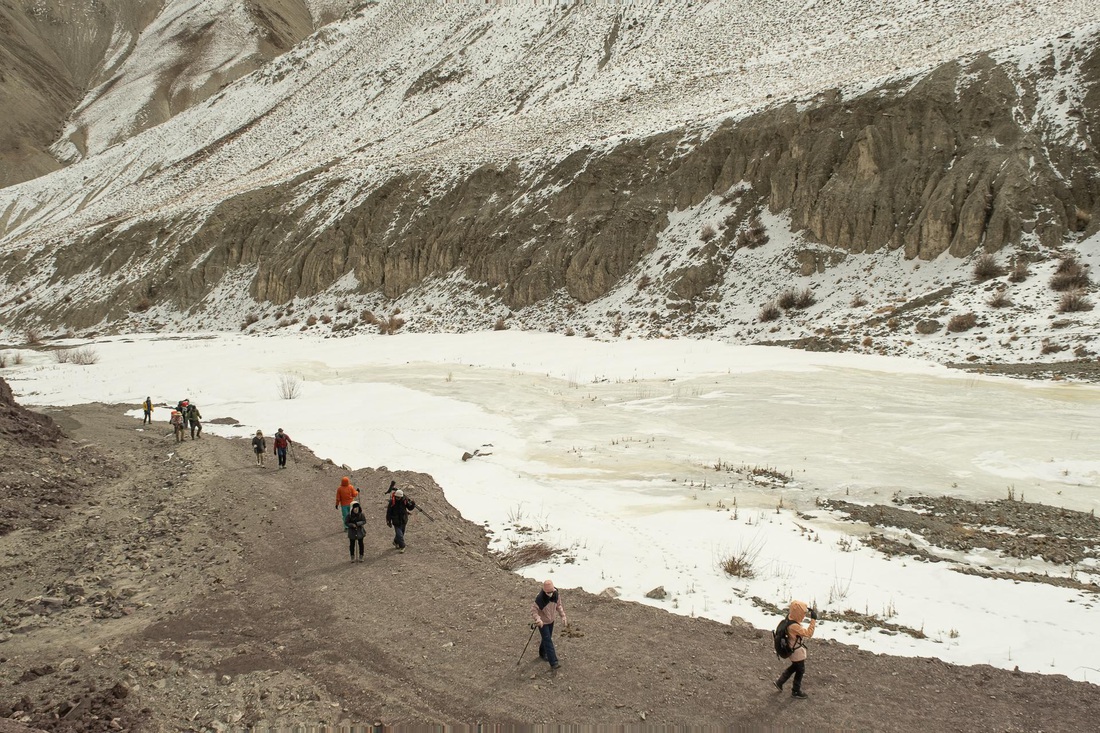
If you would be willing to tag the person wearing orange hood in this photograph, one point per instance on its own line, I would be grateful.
(796, 633)
(345, 495)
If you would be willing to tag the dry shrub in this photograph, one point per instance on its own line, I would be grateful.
(3, 361)
(787, 299)
(1020, 271)
(769, 312)
(740, 563)
(644, 281)
(290, 386)
(999, 299)
(754, 235)
(858, 301)
(311, 321)
(1070, 275)
(367, 317)
(569, 331)
(326, 319)
(283, 323)
(32, 336)
(1051, 347)
(249, 320)
(707, 233)
(84, 356)
(143, 305)
(342, 306)
(391, 325)
(804, 299)
(1075, 301)
(867, 342)
(928, 326)
(521, 556)
(986, 268)
(500, 325)
(962, 322)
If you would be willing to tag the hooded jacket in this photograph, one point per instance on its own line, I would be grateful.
(356, 523)
(346, 494)
(796, 632)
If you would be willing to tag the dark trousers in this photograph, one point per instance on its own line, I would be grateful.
(281, 452)
(546, 644)
(797, 669)
(399, 535)
(351, 546)
(196, 427)
(148, 417)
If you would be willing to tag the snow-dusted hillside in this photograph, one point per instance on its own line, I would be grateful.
(402, 105)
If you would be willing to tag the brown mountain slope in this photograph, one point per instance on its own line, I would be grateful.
(195, 590)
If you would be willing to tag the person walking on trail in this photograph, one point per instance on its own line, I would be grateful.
(356, 523)
(181, 408)
(281, 443)
(194, 417)
(147, 407)
(176, 421)
(397, 516)
(796, 636)
(546, 603)
(259, 447)
(346, 495)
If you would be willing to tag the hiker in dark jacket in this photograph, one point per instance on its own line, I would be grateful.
(259, 447)
(194, 417)
(356, 523)
(796, 633)
(181, 407)
(397, 516)
(281, 444)
(546, 603)
(147, 407)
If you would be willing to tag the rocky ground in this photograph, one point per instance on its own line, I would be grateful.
(150, 586)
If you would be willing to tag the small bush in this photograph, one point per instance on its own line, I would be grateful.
(3, 361)
(569, 331)
(521, 556)
(249, 320)
(1021, 270)
(326, 319)
(391, 325)
(769, 312)
(787, 299)
(290, 386)
(367, 317)
(311, 321)
(999, 299)
(342, 306)
(18, 358)
(754, 235)
(143, 305)
(962, 322)
(84, 356)
(804, 299)
(1075, 301)
(33, 336)
(1070, 275)
(1050, 347)
(986, 268)
(858, 301)
(740, 563)
(707, 233)
(500, 325)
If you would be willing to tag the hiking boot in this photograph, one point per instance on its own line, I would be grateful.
(778, 685)
(360, 558)
(402, 550)
(799, 695)
(353, 558)
(555, 665)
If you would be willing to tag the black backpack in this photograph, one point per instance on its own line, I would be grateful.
(782, 641)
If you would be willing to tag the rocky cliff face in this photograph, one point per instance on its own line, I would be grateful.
(982, 153)
(958, 160)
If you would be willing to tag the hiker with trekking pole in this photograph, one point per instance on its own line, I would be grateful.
(282, 445)
(546, 603)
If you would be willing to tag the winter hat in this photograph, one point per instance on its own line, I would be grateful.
(354, 504)
(548, 587)
(259, 432)
(399, 493)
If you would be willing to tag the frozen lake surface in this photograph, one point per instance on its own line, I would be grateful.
(612, 451)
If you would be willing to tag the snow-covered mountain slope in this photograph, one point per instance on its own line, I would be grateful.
(542, 154)
(107, 71)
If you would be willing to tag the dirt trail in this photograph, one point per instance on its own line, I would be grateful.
(195, 591)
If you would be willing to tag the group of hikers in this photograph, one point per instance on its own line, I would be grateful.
(183, 417)
(398, 509)
(280, 442)
(789, 637)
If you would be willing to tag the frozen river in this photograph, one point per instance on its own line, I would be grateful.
(610, 452)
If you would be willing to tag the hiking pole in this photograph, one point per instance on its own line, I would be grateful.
(532, 636)
(429, 516)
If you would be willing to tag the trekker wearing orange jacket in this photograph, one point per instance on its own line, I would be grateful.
(796, 633)
(345, 495)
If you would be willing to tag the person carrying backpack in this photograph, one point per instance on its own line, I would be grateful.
(181, 408)
(259, 447)
(176, 421)
(356, 523)
(281, 443)
(397, 516)
(147, 407)
(790, 638)
(194, 417)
